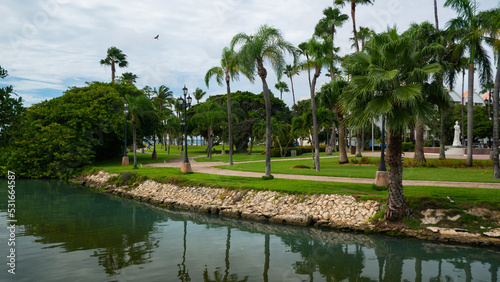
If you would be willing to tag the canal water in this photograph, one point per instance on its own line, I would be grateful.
(65, 232)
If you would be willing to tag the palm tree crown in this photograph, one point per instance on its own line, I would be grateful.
(114, 56)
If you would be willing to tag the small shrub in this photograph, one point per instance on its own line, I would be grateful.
(379, 188)
(364, 160)
(265, 177)
(301, 166)
(408, 147)
(354, 161)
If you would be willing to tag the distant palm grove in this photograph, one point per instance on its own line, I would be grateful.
(402, 78)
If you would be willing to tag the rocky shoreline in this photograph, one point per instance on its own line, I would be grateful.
(332, 211)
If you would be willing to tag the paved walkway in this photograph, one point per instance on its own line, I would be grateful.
(208, 167)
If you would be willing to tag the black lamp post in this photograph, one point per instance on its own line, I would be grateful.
(125, 156)
(185, 104)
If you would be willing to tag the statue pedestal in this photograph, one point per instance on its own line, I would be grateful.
(382, 178)
(453, 151)
(186, 167)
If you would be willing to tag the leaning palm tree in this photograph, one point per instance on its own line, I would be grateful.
(388, 78)
(198, 94)
(353, 15)
(282, 87)
(114, 56)
(267, 44)
(470, 36)
(228, 71)
(290, 71)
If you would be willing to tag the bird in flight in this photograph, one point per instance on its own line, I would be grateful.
(156, 37)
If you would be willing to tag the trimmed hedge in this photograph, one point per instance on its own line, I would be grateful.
(408, 147)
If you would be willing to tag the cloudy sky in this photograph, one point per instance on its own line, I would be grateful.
(50, 45)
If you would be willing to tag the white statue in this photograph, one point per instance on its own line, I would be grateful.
(456, 137)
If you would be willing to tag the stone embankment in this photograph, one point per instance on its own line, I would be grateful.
(321, 210)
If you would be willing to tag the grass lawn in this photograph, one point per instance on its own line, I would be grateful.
(330, 167)
(466, 196)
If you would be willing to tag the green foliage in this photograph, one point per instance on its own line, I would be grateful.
(57, 138)
(408, 147)
(265, 177)
(11, 109)
(379, 188)
(362, 160)
(447, 163)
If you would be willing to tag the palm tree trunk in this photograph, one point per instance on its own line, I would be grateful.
(267, 101)
(463, 119)
(396, 204)
(315, 120)
(496, 172)
(229, 121)
(293, 93)
(353, 17)
(419, 142)
(470, 112)
(333, 139)
(113, 70)
(135, 148)
(342, 147)
(442, 139)
(436, 15)
(358, 145)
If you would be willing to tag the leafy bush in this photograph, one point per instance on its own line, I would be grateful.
(448, 163)
(408, 147)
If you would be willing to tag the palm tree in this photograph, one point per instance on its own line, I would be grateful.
(388, 77)
(267, 44)
(115, 56)
(129, 78)
(282, 87)
(353, 15)
(228, 70)
(364, 35)
(138, 106)
(468, 30)
(331, 96)
(164, 96)
(318, 58)
(198, 94)
(490, 21)
(208, 116)
(290, 71)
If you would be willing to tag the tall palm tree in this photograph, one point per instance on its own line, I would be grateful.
(198, 94)
(209, 115)
(468, 30)
(353, 15)
(388, 76)
(490, 21)
(318, 58)
(114, 56)
(267, 44)
(290, 71)
(282, 87)
(228, 70)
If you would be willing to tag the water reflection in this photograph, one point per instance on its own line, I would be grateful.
(125, 240)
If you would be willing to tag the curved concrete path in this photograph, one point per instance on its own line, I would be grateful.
(208, 167)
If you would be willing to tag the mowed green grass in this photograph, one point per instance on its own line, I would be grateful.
(331, 167)
(461, 196)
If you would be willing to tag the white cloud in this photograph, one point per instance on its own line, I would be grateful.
(48, 43)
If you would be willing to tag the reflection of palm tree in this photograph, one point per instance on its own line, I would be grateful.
(217, 274)
(267, 254)
(183, 274)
